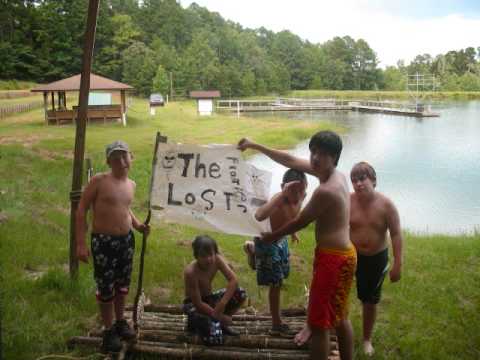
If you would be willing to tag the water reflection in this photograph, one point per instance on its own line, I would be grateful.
(429, 167)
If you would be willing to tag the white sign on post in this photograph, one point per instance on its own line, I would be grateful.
(208, 187)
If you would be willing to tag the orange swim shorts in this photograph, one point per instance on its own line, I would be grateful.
(333, 272)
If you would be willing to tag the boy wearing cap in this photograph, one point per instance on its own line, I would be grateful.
(110, 195)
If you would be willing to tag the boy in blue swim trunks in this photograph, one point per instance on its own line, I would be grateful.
(271, 260)
(109, 196)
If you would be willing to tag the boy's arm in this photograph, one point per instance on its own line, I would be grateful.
(230, 290)
(87, 199)
(393, 221)
(278, 156)
(318, 203)
(264, 211)
(193, 292)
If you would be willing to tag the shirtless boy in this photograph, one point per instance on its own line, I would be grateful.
(201, 304)
(335, 257)
(271, 260)
(110, 195)
(372, 214)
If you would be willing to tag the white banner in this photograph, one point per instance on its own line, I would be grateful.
(208, 187)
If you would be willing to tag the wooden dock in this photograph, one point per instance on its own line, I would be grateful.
(289, 104)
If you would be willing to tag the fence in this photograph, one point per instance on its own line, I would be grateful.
(19, 108)
(12, 94)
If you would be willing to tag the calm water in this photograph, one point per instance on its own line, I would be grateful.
(429, 167)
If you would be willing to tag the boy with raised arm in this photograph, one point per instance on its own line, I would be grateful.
(204, 307)
(271, 260)
(109, 196)
(372, 215)
(335, 257)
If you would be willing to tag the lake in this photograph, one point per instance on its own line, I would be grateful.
(429, 167)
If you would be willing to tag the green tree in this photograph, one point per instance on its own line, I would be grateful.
(161, 81)
(139, 67)
(122, 33)
(394, 79)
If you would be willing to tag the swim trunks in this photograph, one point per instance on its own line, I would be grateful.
(333, 272)
(371, 271)
(206, 326)
(112, 264)
(272, 262)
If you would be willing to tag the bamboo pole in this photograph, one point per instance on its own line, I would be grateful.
(245, 341)
(189, 351)
(177, 309)
(81, 128)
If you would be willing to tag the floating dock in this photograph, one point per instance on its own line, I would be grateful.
(288, 104)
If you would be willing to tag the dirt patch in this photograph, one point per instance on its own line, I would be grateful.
(160, 294)
(297, 262)
(3, 217)
(27, 141)
(184, 243)
(34, 273)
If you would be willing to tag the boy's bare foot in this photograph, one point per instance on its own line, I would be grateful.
(368, 348)
(303, 336)
(249, 248)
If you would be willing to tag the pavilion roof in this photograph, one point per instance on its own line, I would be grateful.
(72, 83)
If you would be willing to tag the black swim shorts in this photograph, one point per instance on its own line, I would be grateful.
(371, 271)
(112, 264)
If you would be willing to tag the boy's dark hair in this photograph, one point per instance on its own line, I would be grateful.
(204, 245)
(329, 141)
(364, 168)
(294, 175)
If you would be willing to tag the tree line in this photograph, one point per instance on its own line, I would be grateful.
(152, 44)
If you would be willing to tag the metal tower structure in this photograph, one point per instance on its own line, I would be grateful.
(419, 87)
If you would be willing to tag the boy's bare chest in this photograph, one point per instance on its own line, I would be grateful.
(370, 217)
(115, 194)
(205, 281)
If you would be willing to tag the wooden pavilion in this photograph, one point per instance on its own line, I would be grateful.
(60, 114)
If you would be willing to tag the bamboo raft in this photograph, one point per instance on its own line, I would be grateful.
(162, 334)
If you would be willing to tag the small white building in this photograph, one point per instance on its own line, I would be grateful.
(205, 100)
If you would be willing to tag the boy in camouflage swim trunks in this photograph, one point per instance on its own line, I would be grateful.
(271, 260)
(109, 196)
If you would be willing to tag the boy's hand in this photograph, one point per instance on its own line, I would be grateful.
(218, 310)
(395, 273)
(144, 229)
(225, 320)
(82, 253)
(295, 238)
(267, 237)
(244, 144)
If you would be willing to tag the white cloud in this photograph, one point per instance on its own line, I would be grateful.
(391, 36)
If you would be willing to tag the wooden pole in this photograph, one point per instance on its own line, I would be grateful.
(81, 127)
(123, 107)
(45, 105)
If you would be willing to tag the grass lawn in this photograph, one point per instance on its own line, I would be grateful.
(433, 313)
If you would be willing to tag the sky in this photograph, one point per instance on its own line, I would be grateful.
(394, 29)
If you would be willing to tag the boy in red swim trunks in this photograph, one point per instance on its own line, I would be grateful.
(335, 257)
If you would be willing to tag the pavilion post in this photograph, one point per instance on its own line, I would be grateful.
(124, 107)
(45, 105)
(76, 192)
